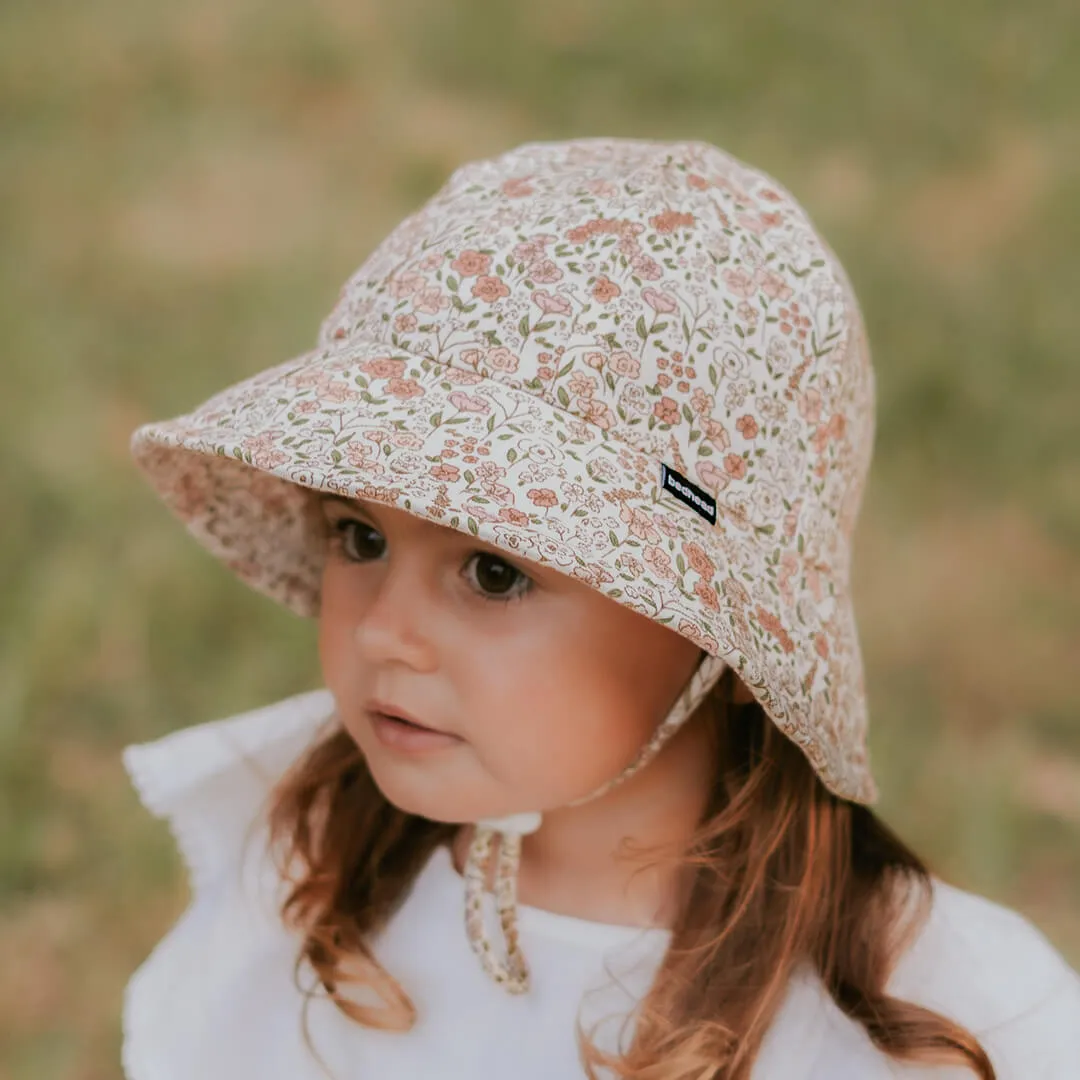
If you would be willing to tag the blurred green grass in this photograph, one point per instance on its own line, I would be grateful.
(184, 187)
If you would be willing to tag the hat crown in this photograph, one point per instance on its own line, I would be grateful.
(666, 292)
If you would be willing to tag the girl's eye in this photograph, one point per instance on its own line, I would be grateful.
(358, 550)
(494, 578)
(498, 579)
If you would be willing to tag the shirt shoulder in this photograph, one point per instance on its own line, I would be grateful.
(989, 968)
(209, 781)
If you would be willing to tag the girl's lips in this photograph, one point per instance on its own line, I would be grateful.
(400, 735)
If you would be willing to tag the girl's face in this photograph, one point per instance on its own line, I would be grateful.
(543, 688)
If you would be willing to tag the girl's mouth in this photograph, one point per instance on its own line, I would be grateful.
(404, 735)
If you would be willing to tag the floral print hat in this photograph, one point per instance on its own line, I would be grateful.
(636, 362)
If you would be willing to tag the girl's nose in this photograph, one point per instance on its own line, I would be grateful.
(396, 618)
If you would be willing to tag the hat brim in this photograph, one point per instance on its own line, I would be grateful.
(514, 469)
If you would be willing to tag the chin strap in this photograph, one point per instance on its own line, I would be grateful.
(512, 973)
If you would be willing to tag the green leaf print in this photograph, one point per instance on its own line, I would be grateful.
(642, 331)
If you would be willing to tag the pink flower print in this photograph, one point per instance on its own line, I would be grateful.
(360, 455)
(545, 272)
(489, 472)
(430, 301)
(602, 188)
(739, 282)
(772, 624)
(407, 438)
(666, 411)
(659, 561)
(517, 187)
(461, 377)
(432, 261)
(646, 267)
(659, 302)
(810, 403)
(502, 359)
(582, 385)
(449, 473)
(551, 305)
(639, 523)
(707, 595)
(717, 434)
(489, 289)
(545, 373)
(306, 407)
(696, 557)
(735, 466)
(460, 400)
(663, 381)
(543, 497)
(604, 290)
(752, 223)
(471, 263)
(406, 284)
(592, 575)
(747, 312)
(339, 392)
(683, 387)
(789, 567)
(747, 426)
(700, 402)
(595, 360)
(622, 363)
(513, 515)
(472, 357)
(317, 379)
(405, 324)
(773, 285)
(404, 388)
(269, 459)
(769, 195)
(499, 493)
(665, 524)
(698, 637)
(534, 250)
(670, 220)
(259, 443)
(697, 182)
(596, 412)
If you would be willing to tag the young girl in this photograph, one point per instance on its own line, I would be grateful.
(570, 482)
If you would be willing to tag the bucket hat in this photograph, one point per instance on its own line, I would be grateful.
(636, 362)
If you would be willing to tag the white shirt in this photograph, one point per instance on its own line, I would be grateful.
(216, 1000)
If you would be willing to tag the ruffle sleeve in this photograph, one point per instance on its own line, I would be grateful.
(210, 783)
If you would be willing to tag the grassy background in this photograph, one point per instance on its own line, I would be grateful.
(183, 187)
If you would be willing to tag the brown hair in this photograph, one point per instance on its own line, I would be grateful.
(779, 873)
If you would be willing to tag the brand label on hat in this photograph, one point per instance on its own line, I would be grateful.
(683, 490)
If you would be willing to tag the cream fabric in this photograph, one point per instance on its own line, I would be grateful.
(215, 1000)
